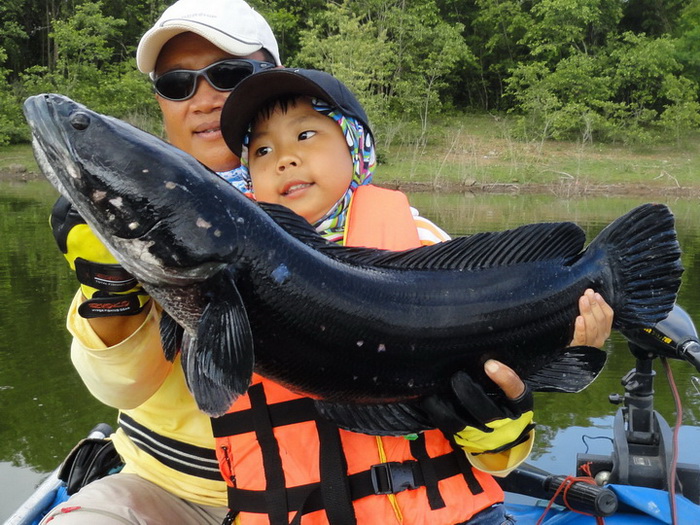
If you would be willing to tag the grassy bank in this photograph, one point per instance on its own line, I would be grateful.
(478, 152)
(17, 157)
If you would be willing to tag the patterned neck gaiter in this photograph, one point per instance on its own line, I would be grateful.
(364, 160)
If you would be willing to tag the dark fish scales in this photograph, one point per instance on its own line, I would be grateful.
(366, 332)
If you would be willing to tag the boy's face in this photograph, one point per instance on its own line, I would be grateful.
(299, 158)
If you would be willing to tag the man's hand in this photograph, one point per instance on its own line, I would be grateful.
(480, 423)
(109, 289)
(594, 324)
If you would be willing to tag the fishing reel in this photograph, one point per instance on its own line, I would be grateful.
(642, 440)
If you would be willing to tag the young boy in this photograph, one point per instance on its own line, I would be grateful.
(332, 176)
(305, 143)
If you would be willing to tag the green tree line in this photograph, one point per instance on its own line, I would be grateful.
(589, 70)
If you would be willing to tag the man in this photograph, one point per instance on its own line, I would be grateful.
(171, 474)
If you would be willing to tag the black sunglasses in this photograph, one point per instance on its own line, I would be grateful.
(181, 84)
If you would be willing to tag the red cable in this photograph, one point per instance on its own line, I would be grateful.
(565, 485)
(674, 457)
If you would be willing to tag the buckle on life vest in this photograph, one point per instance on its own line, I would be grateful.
(394, 477)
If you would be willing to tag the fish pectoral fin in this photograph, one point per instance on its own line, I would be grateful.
(220, 360)
(391, 419)
(572, 369)
(170, 336)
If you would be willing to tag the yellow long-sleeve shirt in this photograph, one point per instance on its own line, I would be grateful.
(150, 392)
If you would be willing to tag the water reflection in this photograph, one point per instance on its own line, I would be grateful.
(695, 380)
(45, 409)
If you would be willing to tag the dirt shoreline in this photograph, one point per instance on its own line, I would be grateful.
(564, 189)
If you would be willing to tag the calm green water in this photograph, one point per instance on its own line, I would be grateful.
(45, 409)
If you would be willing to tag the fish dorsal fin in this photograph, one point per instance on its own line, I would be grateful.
(529, 243)
(532, 242)
(295, 225)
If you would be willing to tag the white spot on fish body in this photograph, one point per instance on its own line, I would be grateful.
(201, 223)
(170, 185)
(145, 170)
(217, 233)
(323, 328)
(117, 202)
(144, 253)
(99, 195)
(360, 343)
(240, 220)
(410, 383)
(381, 348)
(281, 275)
(74, 173)
(133, 225)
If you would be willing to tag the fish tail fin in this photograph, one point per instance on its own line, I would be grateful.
(644, 257)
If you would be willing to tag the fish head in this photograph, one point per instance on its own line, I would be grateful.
(164, 216)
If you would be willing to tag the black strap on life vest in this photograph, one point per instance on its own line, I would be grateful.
(338, 489)
(275, 490)
(335, 489)
(291, 412)
(468, 472)
(419, 451)
(380, 479)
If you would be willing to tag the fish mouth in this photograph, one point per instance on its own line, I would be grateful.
(51, 147)
(56, 158)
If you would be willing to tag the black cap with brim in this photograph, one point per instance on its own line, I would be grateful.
(255, 91)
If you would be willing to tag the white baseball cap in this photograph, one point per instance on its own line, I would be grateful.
(231, 25)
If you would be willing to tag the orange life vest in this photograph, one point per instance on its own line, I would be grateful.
(380, 218)
(284, 463)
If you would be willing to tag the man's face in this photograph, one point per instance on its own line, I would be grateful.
(193, 124)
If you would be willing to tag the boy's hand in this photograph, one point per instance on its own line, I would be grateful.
(109, 289)
(594, 324)
(480, 423)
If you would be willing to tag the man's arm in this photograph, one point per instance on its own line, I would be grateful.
(114, 330)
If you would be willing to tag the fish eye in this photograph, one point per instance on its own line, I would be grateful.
(80, 120)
